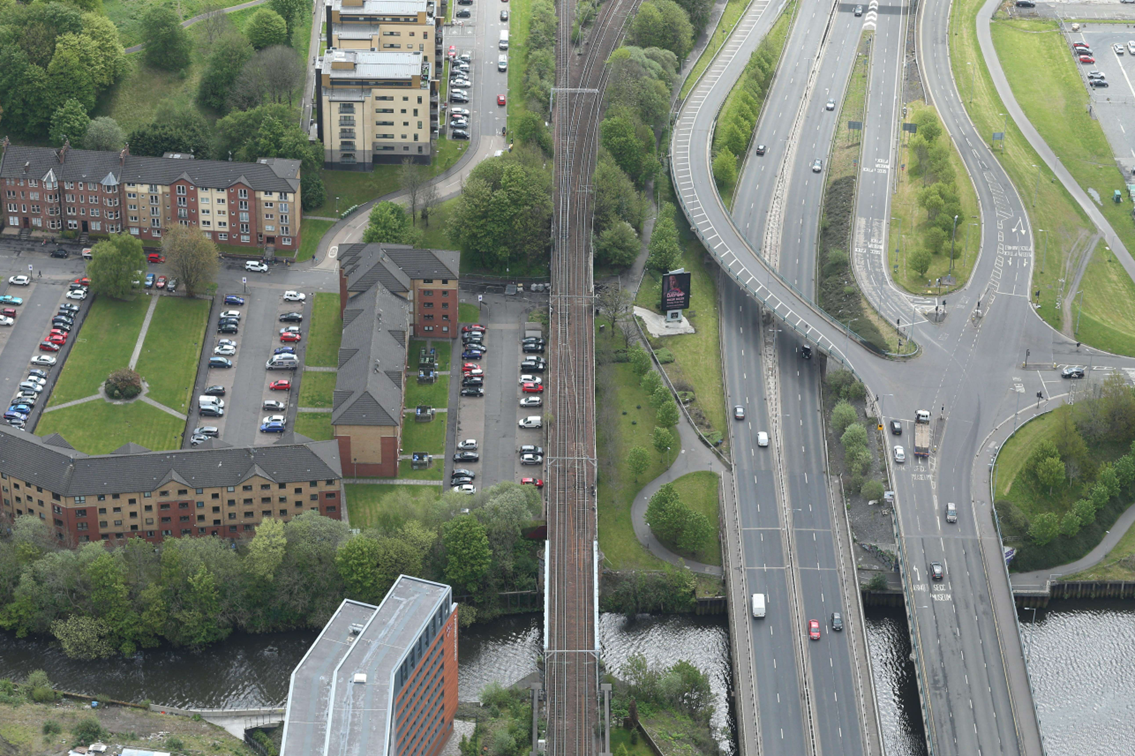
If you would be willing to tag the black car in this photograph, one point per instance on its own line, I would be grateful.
(458, 133)
(473, 380)
(806, 352)
(209, 410)
(1026, 4)
(458, 97)
(227, 328)
(291, 317)
(896, 427)
(466, 456)
(837, 621)
(463, 473)
(1097, 83)
(534, 340)
(68, 307)
(464, 2)
(61, 326)
(215, 391)
(463, 13)
(761, 149)
(532, 348)
(459, 480)
(62, 319)
(472, 391)
(936, 571)
(1072, 371)
(74, 286)
(533, 367)
(59, 252)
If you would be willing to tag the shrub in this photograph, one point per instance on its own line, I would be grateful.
(872, 490)
(843, 415)
(123, 384)
(51, 727)
(174, 743)
(878, 583)
(88, 730)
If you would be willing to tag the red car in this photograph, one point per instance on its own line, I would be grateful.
(502, 101)
(47, 346)
(57, 337)
(84, 281)
(473, 327)
(532, 482)
(532, 388)
(154, 257)
(452, 52)
(289, 337)
(470, 366)
(161, 284)
(280, 386)
(814, 629)
(1087, 59)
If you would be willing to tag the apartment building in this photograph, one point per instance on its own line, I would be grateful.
(137, 493)
(378, 680)
(101, 193)
(425, 278)
(376, 107)
(385, 26)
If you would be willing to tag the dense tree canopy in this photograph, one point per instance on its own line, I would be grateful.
(167, 43)
(114, 266)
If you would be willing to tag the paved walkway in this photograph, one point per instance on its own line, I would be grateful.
(163, 408)
(202, 16)
(997, 73)
(315, 409)
(65, 405)
(310, 369)
(1093, 557)
(142, 336)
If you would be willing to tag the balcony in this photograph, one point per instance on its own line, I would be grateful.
(348, 121)
(347, 134)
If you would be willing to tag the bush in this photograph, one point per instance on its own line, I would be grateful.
(88, 730)
(123, 384)
(878, 583)
(51, 727)
(843, 415)
(872, 490)
(174, 743)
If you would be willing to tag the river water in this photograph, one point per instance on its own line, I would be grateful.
(1079, 660)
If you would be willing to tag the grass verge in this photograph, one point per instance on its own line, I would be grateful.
(317, 389)
(104, 344)
(907, 216)
(442, 348)
(431, 394)
(728, 20)
(520, 15)
(312, 231)
(326, 332)
(387, 506)
(423, 437)
(1119, 564)
(699, 491)
(172, 349)
(624, 419)
(99, 427)
(315, 425)
(468, 313)
(1108, 301)
(406, 470)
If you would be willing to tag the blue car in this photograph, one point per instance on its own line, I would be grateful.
(149, 280)
(284, 350)
(15, 416)
(9, 299)
(24, 409)
(472, 354)
(272, 428)
(220, 362)
(233, 299)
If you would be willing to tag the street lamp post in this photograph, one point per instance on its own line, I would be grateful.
(900, 236)
(953, 236)
(847, 342)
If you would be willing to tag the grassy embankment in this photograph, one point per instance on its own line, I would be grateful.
(729, 18)
(371, 505)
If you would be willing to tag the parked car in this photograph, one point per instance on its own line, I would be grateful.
(220, 362)
(532, 482)
(294, 296)
(532, 388)
(150, 278)
(290, 337)
(458, 134)
(43, 359)
(283, 385)
(472, 391)
(291, 317)
(228, 328)
(215, 391)
(284, 350)
(161, 284)
(465, 488)
(233, 299)
(466, 456)
(9, 299)
(531, 459)
(473, 380)
(155, 257)
(224, 350)
(531, 401)
(530, 449)
(469, 444)
(256, 266)
(272, 428)
(463, 473)
(210, 410)
(274, 404)
(79, 294)
(47, 346)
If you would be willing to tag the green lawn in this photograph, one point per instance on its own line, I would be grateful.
(1015, 452)
(311, 233)
(317, 389)
(406, 470)
(104, 344)
(435, 236)
(98, 427)
(729, 18)
(134, 99)
(432, 394)
(127, 16)
(1108, 321)
(441, 346)
(624, 419)
(520, 15)
(314, 425)
(387, 506)
(326, 331)
(621, 736)
(424, 437)
(699, 491)
(172, 350)
(468, 313)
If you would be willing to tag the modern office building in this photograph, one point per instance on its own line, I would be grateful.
(379, 680)
(103, 192)
(214, 490)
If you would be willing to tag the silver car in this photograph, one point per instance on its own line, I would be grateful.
(900, 455)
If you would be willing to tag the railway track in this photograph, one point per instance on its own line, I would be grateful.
(571, 646)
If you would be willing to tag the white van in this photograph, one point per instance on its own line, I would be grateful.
(210, 401)
(282, 362)
(502, 62)
(504, 40)
(758, 605)
(951, 512)
(532, 421)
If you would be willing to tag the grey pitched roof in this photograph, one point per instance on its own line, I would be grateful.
(268, 174)
(56, 440)
(424, 263)
(395, 265)
(130, 448)
(67, 472)
(365, 394)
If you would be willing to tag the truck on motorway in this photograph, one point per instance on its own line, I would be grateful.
(922, 433)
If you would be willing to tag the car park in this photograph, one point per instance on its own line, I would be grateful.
(19, 280)
(256, 266)
(472, 391)
(79, 294)
(466, 456)
(294, 296)
(531, 459)
(284, 385)
(291, 317)
(220, 362)
(531, 401)
(215, 391)
(43, 359)
(1072, 371)
(936, 571)
(814, 629)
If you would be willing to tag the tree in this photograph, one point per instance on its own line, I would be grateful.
(872, 490)
(651, 380)
(225, 63)
(854, 436)
(429, 200)
(289, 10)
(660, 396)
(616, 196)
(177, 126)
(266, 29)
(69, 74)
(618, 137)
(467, 555)
(640, 361)
(115, 264)
(215, 25)
(84, 638)
(273, 75)
(665, 513)
(663, 23)
(1044, 528)
(1086, 511)
(192, 258)
(1050, 472)
(696, 533)
(919, 259)
(725, 169)
(266, 550)
(638, 461)
(412, 178)
(102, 50)
(1070, 524)
(103, 133)
(167, 43)
(667, 415)
(123, 383)
(388, 224)
(617, 245)
(357, 562)
(665, 255)
(843, 415)
(70, 121)
(662, 440)
(530, 130)
(88, 730)
(614, 302)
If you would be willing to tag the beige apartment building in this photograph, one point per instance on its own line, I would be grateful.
(384, 26)
(375, 107)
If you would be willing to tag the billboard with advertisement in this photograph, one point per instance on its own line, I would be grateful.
(675, 291)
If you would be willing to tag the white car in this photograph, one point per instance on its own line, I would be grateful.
(6, 321)
(1118, 48)
(256, 266)
(532, 421)
(469, 444)
(526, 378)
(817, 166)
(35, 379)
(762, 438)
(43, 359)
(224, 350)
(230, 314)
(226, 342)
(830, 105)
(20, 280)
(294, 296)
(274, 404)
(532, 401)
(290, 329)
(79, 294)
(465, 488)
(459, 111)
(1131, 46)
(900, 455)
(274, 419)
